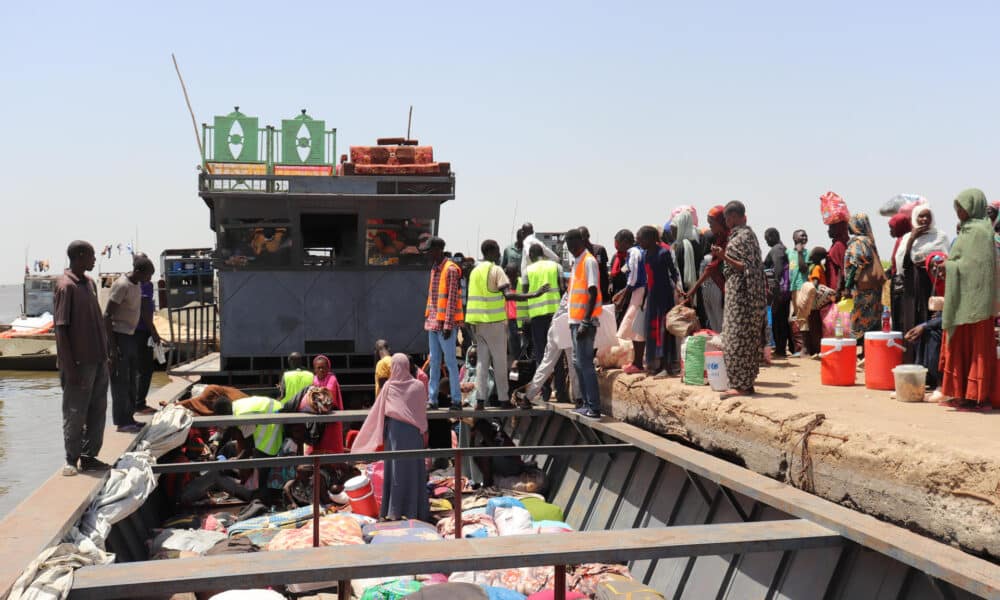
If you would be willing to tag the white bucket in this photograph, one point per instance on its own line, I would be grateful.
(910, 381)
(715, 365)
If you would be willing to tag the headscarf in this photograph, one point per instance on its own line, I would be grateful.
(933, 241)
(402, 398)
(969, 270)
(686, 234)
(690, 209)
(329, 382)
(861, 250)
(718, 214)
(936, 282)
(899, 226)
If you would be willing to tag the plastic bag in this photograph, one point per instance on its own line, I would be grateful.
(833, 208)
(681, 321)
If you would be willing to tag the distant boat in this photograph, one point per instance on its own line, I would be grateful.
(28, 343)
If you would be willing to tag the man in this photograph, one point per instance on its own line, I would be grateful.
(296, 379)
(145, 331)
(267, 437)
(553, 364)
(542, 272)
(528, 232)
(661, 283)
(489, 291)
(777, 262)
(584, 309)
(443, 317)
(82, 350)
(601, 254)
(798, 272)
(512, 254)
(122, 317)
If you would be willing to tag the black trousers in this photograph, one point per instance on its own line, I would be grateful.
(780, 328)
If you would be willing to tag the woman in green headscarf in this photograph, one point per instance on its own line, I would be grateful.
(865, 277)
(968, 351)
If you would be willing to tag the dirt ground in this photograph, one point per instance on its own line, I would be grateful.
(927, 467)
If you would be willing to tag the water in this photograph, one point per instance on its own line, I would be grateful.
(31, 447)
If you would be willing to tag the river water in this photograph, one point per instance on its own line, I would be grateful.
(31, 447)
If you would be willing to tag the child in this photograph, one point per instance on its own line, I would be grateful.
(927, 335)
(817, 272)
(812, 333)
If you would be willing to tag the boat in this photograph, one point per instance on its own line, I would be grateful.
(27, 343)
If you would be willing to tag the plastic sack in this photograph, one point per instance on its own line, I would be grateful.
(846, 305)
(830, 314)
(694, 360)
(833, 208)
(682, 321)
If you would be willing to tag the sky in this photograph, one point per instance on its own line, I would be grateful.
(561, 113)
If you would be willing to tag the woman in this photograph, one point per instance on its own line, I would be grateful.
(910, 259)
(688, 252)
(713, 296)
(318, 438)
(743, 321)
(926, 335)
(633, 298)
(398, 420)
(899, 226)
(864, 277)
(968, 349)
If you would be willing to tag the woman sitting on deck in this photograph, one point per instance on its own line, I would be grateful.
(398, 420)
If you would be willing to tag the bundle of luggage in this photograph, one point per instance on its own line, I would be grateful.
(395, 156)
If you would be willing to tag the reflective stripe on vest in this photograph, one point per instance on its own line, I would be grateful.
(484, 306)
(294, 382)
(442, 295)
(540, 273)
(266, 438)
(579, 297)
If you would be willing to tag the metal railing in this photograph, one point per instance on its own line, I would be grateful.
(194, 332)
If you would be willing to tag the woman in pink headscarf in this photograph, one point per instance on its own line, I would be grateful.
(398, 420)
(332, 440)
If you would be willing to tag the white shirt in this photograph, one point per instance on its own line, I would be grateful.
(633, 259)
(526, 245)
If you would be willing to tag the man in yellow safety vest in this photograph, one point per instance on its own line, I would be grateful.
(295, 379)
(489, 290)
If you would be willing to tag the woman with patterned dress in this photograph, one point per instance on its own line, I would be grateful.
(865, 278)
(744, 320)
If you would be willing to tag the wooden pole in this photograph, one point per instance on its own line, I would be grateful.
(409, 122)
(194, 122)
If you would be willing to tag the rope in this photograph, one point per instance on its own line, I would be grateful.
(803, 479)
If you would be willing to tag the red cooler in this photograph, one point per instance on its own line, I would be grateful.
(359, 490)
(883, 353)
(839, 361)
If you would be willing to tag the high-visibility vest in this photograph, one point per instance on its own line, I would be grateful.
(442, 292)
(579, 297)
(266, 438)
(540, 273)
(294, 382)
(522, 312)
(484, 306)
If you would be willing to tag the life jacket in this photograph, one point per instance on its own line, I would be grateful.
(266, 438)
(294, 382)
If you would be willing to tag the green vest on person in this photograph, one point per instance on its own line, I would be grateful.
(266, 438)
(539, 273)
(294, 382)
(484, 306)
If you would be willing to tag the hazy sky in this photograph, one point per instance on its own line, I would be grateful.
(567, 113)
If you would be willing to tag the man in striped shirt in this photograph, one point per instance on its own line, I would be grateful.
(443, 317)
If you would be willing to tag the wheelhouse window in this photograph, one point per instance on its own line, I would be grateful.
(390, 242)
(329, 239)
(256, 243)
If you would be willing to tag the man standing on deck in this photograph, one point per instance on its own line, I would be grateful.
(601, 254)
(144, 332)
(777, 261)
(489, 290)
(295, 379)
(528, 233)
(82, 349)
(443, 316)
(122, 316)
(584, 309)
(542, 272)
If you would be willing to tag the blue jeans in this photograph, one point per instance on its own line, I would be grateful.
(583, 362)
(446, 347)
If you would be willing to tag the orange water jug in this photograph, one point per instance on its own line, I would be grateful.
(359, 490)
(839, 361)
(883, 353)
